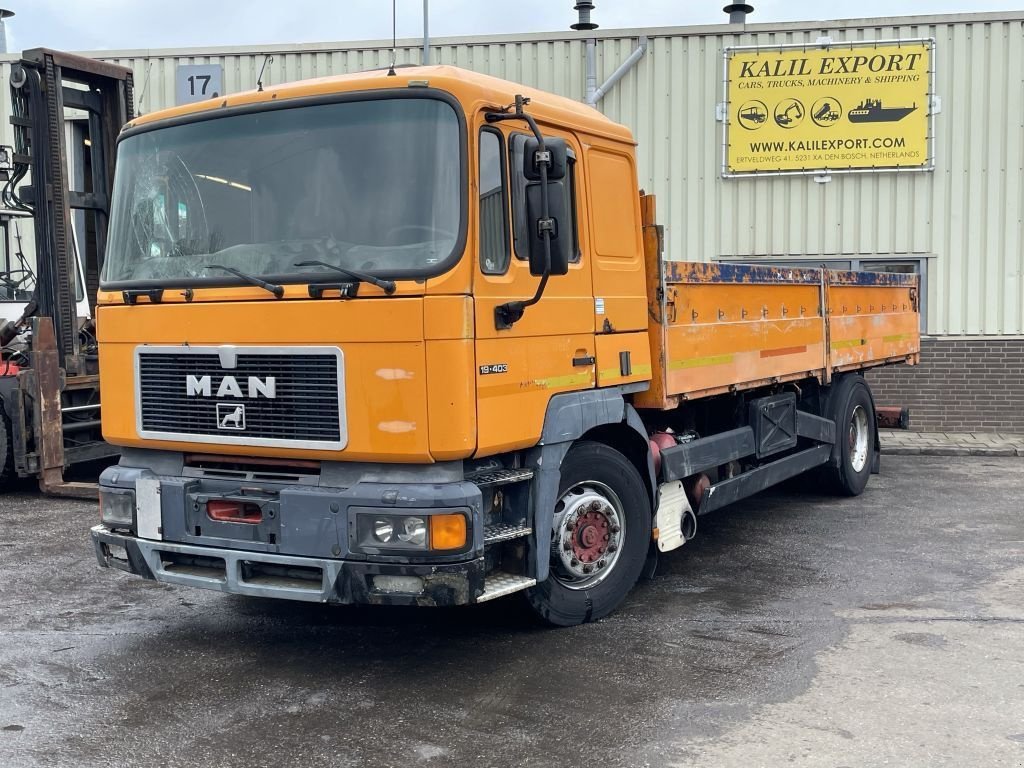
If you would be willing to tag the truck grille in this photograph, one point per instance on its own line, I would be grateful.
(306, 409)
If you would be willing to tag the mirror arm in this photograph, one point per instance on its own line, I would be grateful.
(508, 314)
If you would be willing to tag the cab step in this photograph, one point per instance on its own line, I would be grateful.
(489, 478)
(499, 584)
(499, 532)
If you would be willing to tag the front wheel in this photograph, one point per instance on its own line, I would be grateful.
(599, 537)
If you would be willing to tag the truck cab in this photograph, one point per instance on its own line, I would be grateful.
(376, 339)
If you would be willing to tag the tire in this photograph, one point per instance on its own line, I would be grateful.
(6, 450)
(853, 411)
(600, 491)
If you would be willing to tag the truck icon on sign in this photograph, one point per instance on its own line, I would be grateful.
(753, 115)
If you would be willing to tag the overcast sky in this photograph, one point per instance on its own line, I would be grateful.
(119, 24)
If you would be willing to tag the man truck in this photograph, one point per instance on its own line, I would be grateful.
(409, 338)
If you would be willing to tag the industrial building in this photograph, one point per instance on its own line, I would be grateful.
(958, 223)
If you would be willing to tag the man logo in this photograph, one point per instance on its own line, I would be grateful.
(202, 386)
(230, 416)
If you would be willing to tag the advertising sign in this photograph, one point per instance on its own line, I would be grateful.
(855, 107)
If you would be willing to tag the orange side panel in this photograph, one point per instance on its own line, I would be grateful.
(512, 400)
(451, 386)
(451, 399)
(448, 317)
(871, 324)
(727, 327)
(609, 363)
(620, 293)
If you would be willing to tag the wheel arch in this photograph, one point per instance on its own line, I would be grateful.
(632, 444)
(601, 415)
(837, 395)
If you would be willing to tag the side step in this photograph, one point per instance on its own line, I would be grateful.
(493, 534)
(489, 478)
(499, 584)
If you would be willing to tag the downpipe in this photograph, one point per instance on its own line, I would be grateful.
(593, 97)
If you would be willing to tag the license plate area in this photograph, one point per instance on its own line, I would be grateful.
(248, 515)
(233, 511)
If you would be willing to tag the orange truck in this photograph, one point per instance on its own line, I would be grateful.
(409, 338)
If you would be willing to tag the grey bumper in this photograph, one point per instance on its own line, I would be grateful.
(311, 579)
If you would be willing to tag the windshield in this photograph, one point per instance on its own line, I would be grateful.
(371, 185)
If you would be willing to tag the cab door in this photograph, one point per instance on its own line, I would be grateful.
(551, 349)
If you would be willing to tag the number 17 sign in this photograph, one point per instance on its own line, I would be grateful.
(198, 82)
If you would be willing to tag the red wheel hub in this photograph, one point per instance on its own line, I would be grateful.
(590, 536)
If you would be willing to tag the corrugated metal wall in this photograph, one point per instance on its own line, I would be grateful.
(968, 214)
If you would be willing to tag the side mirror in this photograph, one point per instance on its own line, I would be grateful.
(559, 158)
(561, 232)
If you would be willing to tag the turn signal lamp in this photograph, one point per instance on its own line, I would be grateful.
(447, 532)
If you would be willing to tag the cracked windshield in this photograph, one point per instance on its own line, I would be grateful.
(366, 185)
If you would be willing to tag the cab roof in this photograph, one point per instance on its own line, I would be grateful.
(472, 89)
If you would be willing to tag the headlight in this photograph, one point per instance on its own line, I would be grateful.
(414, 531)
(383, 531)
(117, 507)
(377, 533)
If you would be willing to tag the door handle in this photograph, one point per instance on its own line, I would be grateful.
(581, 361)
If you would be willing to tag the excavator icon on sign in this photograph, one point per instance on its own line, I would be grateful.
(789, 113)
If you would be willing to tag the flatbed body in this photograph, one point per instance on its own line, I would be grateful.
(716, 328)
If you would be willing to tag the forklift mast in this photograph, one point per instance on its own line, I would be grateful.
(51, 407)
(45, 85)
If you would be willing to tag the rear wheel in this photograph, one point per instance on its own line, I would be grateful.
(599, 537)
(855, 437)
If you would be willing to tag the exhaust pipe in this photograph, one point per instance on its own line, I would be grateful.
(688, 525)
(738, 12)
(4, 15)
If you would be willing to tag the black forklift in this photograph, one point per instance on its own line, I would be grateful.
(49, 373)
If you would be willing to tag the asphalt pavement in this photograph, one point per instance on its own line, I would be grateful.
(886, 630)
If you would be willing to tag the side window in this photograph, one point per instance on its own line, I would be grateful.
(494, 249)
(520, 233)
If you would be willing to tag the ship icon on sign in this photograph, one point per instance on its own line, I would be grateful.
(872, 111)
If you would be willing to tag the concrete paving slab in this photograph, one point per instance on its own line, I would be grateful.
(898, 442)
(993, 451)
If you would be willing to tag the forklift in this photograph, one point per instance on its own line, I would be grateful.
(49, 374)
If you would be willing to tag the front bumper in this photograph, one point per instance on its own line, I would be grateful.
(311, 579)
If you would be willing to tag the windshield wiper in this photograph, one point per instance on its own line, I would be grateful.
(277, 290)
(388, 286)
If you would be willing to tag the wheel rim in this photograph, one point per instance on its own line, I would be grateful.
(860, 437)
(586, 538)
